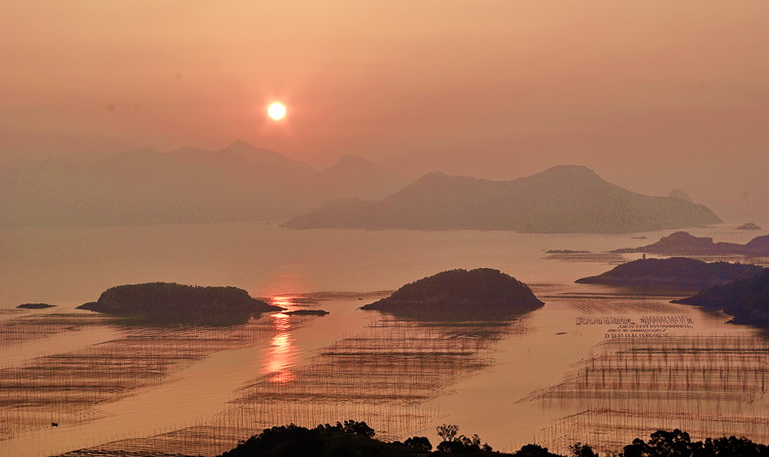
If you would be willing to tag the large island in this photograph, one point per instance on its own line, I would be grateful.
(673, 274)
(463, 293)
(164, 302)
(562, 199)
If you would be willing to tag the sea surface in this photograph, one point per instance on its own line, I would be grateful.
(595, 364)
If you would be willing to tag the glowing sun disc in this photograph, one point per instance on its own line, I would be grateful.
(276, 111)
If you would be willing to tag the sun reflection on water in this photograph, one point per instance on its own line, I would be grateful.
(282, 353)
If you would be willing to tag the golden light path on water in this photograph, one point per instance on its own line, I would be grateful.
(208, 385)
(282, 354)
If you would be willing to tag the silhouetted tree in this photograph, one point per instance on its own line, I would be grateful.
(664, 443)
(582, 450)
(358, 428)
(280, 441)
(419, 443)
(461, 444)
(447, 432)
(534, 450)
(733, 446)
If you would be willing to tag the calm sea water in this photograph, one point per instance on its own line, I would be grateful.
(67, 267)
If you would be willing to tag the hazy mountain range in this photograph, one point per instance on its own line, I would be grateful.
(239, 182)
(562, 199)
(245, 183)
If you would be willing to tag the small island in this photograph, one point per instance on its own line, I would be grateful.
(307, 312)
(474, 293)
(35, 306)
(673, 274)
(748, 226)
(171, 302)
(746, 300)
(682, 243)
(565, 251)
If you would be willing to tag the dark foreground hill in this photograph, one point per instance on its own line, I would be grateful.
(170, 302)
(676, 273)
(746, 300)
(462, 293)
(563, 199)
(682, 243)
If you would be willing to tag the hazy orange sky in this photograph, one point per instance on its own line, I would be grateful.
(651, 94)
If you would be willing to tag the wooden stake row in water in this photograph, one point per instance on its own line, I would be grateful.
(382, 376)
(706, 385)
(27, 328)
(65, 387)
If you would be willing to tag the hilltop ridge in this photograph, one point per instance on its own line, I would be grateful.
(561, 199)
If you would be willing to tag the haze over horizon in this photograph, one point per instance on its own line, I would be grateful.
(222, 216)
(652, 96)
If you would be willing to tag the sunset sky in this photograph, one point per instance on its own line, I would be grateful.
(650, 94)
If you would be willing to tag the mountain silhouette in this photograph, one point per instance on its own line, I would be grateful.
(355, 176)
(562, 199)
(237, 183)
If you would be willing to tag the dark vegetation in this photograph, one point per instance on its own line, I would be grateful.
(676, 273)
(35, 306)
(682, 243)
(678, 444)
(355, 439)
(562, 199)
(171, 302)
(462, 293)
(746, 300)
(341, 440)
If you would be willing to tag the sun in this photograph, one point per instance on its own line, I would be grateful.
(276, 111)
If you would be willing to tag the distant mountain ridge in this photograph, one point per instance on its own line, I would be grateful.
(562, 199)
(237, 183)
